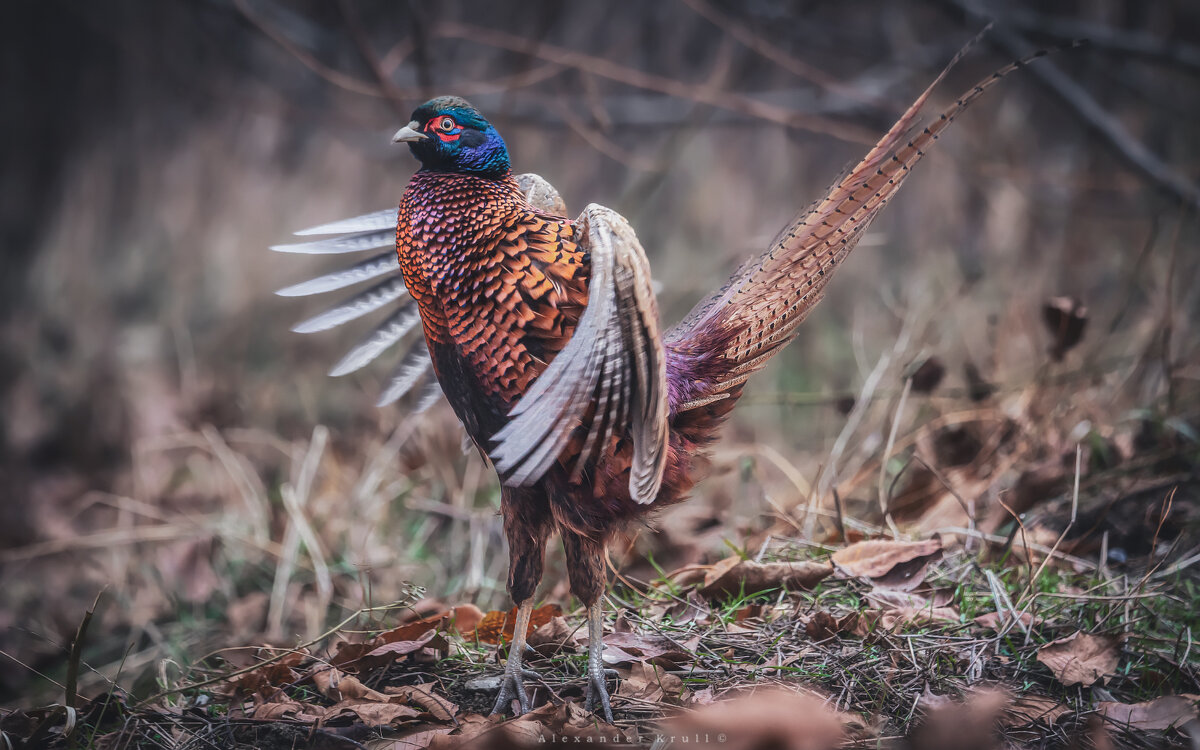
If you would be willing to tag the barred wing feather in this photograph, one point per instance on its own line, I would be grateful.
(614, 359)
(369, 232)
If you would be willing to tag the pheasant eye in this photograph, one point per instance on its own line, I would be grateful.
(446, 124)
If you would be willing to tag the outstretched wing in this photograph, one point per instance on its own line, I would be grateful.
(377, 231)
(614, 360)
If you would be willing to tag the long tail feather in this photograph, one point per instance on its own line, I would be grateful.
(734, 332)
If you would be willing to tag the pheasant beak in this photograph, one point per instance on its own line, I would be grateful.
(409, 133)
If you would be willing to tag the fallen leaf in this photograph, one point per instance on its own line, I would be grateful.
(1080, 658)
(417, 739)
(620, 648)
(1164, 712)
(552, 636)
(1030, 708)
(372, 713)
(403, 648)
(650, 683)
(496, 627)
(734, 575)
(442, 709)
(969, 725)
(337, 686)
(889, 564)
(700, 697)
(767, 718)
(992, 620)
(692, 608)
(414, 630)
(288, 710)
(265, 679)
(470, 726)
(896, 618)
(822, 625)
(748, 612)
(465, 618)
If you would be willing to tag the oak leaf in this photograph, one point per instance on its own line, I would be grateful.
(889, 564)
(1080, 658)
(734, 575)
(496, 627)
(1163, 712)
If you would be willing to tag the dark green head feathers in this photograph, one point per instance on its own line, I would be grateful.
(447, 134)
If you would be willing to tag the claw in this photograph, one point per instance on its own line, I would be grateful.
(597, 692)
(513, 685)
(597, 689)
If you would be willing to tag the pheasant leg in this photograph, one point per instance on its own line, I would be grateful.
(597, 690)
(513, 684)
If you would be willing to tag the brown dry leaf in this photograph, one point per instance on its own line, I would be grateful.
(823, 625)
(734, 575)
(889, 564)
(417, 739)
(393, 649)
(346, 654)
(1161, 713)
(469, 727)
(497, 626)
(700, 698)
(895, 618)
(992, 620)
(414, 630)
(265, 679)
(1081, 659)
(288, 710)
(748, 612)
(970, 725)
(465, 618)
(634, 647)
(647, 682)
(337, 686)
(773, 717)
(440, 708)
(373, 713)
(551, 636)
(1030, 708)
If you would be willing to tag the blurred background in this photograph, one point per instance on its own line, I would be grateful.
(167, 441)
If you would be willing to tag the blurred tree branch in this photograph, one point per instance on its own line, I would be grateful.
(1087, 109)
(1121, 41)
(793, 65)
(701, 93)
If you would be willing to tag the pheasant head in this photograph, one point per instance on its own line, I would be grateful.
(447, 134)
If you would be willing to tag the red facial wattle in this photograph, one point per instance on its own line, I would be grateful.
(444, 127)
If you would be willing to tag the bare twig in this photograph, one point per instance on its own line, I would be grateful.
(1088, 110)
(727, 100)
(793, 65)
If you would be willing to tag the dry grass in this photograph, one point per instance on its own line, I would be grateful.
(169, 443)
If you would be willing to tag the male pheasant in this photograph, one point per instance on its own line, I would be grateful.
(543, 335)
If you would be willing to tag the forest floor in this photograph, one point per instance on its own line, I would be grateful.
(996, 569)
(1027, 638)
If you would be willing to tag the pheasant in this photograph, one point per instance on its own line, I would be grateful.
(543, 334)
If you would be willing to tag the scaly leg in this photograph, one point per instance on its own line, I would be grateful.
(597, 689)
(513, 684)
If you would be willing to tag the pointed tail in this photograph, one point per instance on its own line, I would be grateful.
(731, 334)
